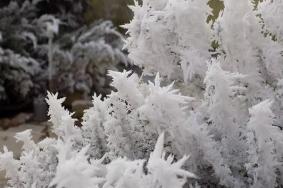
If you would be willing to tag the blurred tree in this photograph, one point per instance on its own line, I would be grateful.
(35, 34)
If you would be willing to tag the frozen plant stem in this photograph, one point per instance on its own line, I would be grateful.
(50, 63)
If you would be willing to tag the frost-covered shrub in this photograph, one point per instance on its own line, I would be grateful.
(232, 84)
(62, 52)
(17, 75)
(222, 105)
(158, 34)
(81, 59)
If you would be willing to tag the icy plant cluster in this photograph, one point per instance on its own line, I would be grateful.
(209, 90)
(64, 161)
(232, 66)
